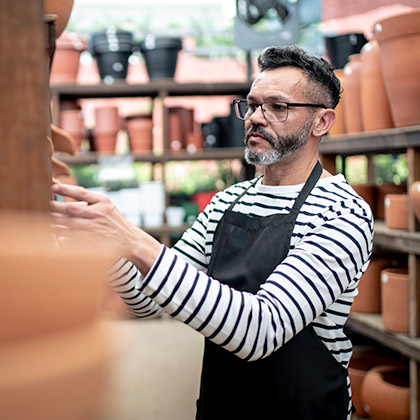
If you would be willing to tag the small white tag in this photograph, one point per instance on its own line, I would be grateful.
(384, 278)
(387, 202)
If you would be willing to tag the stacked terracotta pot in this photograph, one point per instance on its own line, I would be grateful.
(65, 65)
(140, 132)
(181, 128)
(55, 349)
(72, 121)
(107, 126)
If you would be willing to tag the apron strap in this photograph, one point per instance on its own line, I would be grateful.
(244, 192)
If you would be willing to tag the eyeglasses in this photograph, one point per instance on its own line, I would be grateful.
(272, 111)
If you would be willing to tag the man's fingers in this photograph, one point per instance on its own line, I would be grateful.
(76, 192)
(75, 209)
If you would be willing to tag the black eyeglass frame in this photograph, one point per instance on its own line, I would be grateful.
(288, 105)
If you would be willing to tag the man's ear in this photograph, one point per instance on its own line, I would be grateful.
(323, 122)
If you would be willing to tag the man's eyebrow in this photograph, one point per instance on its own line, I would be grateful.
(271, 98)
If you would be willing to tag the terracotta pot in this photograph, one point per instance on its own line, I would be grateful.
(105, 142)
(339, 125)
(369, 298)
(367, 192)
(361, 362)
(72, 122)
(59, 168)
(140, 133)
(61, 8)
(351, 95)
(394, 299)
(396, 211)
(107, 119)
(181, 123)
(399, 41)
(47, 289)
(414, 198)
(386, 393)
(376, 112)
(195, 142)
(380, 192)
(55, 376)
(65, 65)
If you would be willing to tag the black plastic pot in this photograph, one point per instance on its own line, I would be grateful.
(161, 56)
(340, 47)
(112, 65)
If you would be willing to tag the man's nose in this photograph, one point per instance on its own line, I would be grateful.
(258, 117)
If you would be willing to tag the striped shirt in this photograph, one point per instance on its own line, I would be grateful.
(316, 283)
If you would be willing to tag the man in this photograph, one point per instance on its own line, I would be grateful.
(269, 270)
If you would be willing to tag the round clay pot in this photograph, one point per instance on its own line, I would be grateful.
(414, 198)
(351, 95)
(396, 211)
(369, 298)
(61, 8)
(339, 125)
(65, 65)
(386, 393)
(363, 360)
(399, 41)
(140, 133)
(195, 142)
(56, 376)
(394, 299)
(367, 192)
(72, 122)
(105, 142)
(380, 192)
(376, 113)
(107, 119)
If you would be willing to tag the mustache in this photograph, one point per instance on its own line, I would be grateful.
(257, 129)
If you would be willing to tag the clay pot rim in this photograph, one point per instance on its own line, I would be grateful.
(401, 24)
(397, 197)
(400, 273)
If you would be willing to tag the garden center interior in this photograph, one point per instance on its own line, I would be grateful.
(132, 99)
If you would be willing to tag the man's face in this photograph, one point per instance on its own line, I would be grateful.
(269, 142)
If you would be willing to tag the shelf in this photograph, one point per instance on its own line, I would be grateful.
(370, 325)
(150, 89)
(167, 230)
(205, 154)
(397, 240)
(395, 140)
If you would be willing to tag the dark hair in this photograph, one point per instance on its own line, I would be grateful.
(320, 72)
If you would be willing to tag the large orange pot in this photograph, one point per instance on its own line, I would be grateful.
(396, 211)
(399, 41)
(339, 125)
(376, 113)
(414, 197)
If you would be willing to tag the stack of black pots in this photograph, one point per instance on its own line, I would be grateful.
(161, 55)
(112, 48)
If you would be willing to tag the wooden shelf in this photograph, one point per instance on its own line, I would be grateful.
(370, 325)
(167, 230)
(150, 89)
(397, 240)
(205, 154)
(395, 140)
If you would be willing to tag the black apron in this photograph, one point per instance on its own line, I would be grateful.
(299, 381)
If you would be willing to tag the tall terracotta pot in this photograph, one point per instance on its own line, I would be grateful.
(414, 197)
(369, 298)
(394, 299)
(351, 95)
(140, 133)
(386, 393)
(339, 125)
(376, 112)
(399, 41)
(396, 211)
(380, 192)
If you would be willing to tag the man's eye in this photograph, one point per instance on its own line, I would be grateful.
(252, 107)
(278, 107)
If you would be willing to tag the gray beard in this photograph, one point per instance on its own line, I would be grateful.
(282, 146)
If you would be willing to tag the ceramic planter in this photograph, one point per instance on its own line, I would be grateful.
(140, 133)
(61, 8)
(386, 393)
(414, 197)
(396, 211)
(380, 192)
(394, 299)
(369, 298)
(65, 64)
(351, 96)
(376, 112)
(62, 140)
(339, 125)
(72, 122)
(363, 360)
(399, 41)
(367, 192)
(340, 47)
(107, 126)
(161, 56)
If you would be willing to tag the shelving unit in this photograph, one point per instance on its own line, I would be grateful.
(154, 89)
(398, 140)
